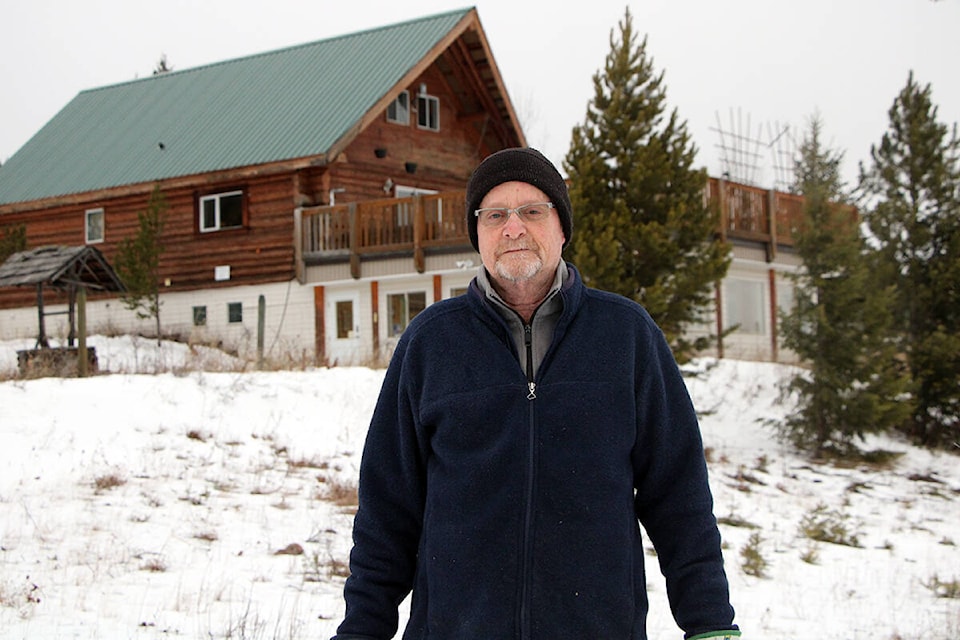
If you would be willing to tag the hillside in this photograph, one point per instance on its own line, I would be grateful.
(218, 504)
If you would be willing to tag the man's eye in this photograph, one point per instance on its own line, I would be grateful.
(533, 212)
(495, 215)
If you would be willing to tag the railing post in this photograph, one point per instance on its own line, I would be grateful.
(298, 241)
(772, 225)
(722, 203)
(419, 228)
(354, 242)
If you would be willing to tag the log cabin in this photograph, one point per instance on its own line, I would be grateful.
(314, 195)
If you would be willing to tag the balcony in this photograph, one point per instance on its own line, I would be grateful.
(416, 225)
(405, 226)
(753, 214)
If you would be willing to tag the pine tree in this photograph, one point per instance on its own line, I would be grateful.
(13, 238)
(840, 326)
(137, 261)
(913, 192)
(642, 227)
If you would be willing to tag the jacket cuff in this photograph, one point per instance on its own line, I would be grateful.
(729, 634)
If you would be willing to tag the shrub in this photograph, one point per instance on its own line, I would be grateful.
(751, 559)
(825, 525)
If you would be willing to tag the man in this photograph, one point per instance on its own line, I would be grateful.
(524, 432)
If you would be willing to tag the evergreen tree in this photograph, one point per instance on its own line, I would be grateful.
(13, 239)
(137, 261)
(913, 197)
(840, 326)
(643, 229)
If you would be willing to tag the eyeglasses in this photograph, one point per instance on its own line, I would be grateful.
(497, 216)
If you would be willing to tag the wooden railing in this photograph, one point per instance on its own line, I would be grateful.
(416, 224)
(405, 225)
(751, 213)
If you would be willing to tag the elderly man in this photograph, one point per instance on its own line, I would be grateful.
(524, 433)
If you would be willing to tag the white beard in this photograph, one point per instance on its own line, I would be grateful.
(517, 270)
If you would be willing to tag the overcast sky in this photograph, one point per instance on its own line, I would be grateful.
(748, 68)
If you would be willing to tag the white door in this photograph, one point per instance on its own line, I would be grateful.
(342, 330)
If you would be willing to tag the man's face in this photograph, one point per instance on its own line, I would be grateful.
(518, 250)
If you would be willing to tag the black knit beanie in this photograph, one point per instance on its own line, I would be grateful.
(520, 165)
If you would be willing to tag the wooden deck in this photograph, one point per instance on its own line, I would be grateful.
(415, 225)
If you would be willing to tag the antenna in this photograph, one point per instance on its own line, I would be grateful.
(741, 155)
(783, 153)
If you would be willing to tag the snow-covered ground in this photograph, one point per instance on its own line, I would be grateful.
(165, 501)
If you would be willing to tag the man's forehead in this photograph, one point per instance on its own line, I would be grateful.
(513, 193)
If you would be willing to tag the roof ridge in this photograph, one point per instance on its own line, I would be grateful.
(271, 52)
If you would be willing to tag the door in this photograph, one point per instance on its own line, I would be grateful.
(343, 329)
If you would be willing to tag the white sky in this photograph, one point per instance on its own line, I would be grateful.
(737, 66)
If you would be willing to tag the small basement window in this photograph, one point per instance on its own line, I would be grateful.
(221, 211)
(200, 316)
(234, 312)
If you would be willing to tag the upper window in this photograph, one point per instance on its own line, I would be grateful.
(221, 211)
(428, 112)
(93, 224)
(399, 109)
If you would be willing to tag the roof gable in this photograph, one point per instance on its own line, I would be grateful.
(290, 103)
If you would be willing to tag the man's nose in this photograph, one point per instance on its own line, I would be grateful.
(514, 226)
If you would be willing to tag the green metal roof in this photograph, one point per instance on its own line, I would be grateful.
(280, 105)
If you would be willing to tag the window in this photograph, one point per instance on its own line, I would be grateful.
(344, 319)
(234, 312)
(221, 211)
(94, 225)
(200, 316)
(399, 110)
(403, 307)
(457, 291)
(428, 112)
(745, 306)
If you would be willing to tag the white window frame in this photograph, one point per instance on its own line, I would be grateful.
(216, 198)
(738, 295)
(398, 111)
(428, 112)
(87, 227)
(397, 331)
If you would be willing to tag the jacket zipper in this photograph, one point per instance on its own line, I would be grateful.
(525, 625)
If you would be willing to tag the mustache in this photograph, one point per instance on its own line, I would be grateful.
(506, 247)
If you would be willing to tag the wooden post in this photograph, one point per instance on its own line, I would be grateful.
(319, 328)
(71, 316)
(772, 206)
(261, 328)
(419, 228)
(718, 288)
(354, 242)
(774, 318)
(42, 334)
(375, 317)
(298, 245)
(82, 358)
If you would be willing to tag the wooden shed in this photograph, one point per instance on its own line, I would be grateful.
(72, 271)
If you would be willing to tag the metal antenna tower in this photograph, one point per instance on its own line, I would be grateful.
(783, 152)
(742, 155)
(739, 153)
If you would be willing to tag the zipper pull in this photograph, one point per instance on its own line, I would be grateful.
(533, 390)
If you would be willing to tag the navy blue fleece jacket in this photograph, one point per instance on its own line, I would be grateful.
(516, 515)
